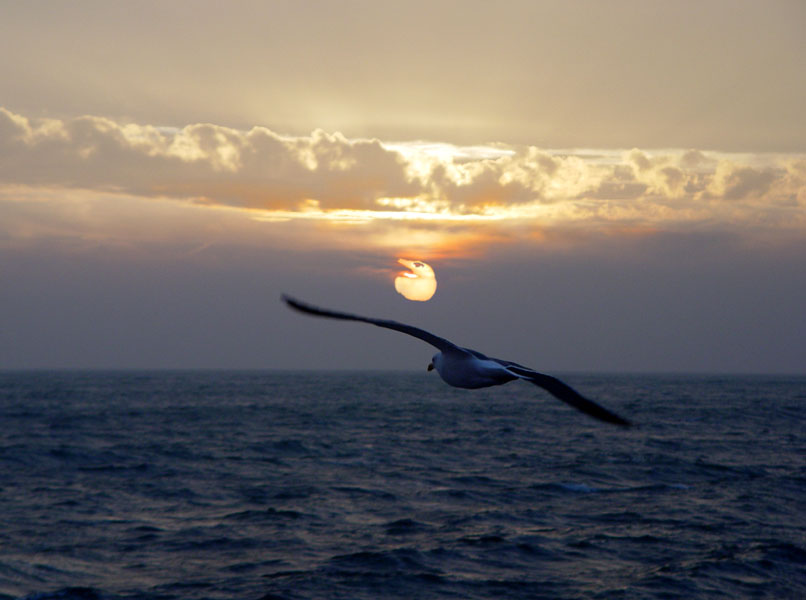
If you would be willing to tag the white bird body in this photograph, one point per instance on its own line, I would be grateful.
(464, 370)
(469, 369)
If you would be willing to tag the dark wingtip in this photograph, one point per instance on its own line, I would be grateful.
(303, 307)
(611, 417)
(292, 302)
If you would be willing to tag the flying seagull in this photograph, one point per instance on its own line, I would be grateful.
(465, 368)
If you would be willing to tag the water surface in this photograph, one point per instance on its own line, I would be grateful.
(266, 485)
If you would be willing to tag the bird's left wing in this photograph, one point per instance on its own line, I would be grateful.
(434, 340)
(563, 392)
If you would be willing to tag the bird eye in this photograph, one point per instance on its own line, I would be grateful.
(418, 264)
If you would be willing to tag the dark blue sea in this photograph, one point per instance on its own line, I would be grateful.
(271, 485)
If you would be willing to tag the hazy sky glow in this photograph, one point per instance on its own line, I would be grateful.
(624, 182)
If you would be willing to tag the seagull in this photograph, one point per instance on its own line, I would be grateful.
(465, 368)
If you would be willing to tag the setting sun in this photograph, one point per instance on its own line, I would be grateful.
(418, 284)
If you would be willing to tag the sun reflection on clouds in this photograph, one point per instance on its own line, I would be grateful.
(340, 216)
(419, 195)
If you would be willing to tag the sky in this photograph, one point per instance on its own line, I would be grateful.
(599, 186)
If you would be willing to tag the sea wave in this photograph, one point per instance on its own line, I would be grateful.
(163, 486)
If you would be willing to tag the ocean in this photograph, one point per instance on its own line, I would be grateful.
(316, 485)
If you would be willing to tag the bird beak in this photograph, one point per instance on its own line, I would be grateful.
(430, 366)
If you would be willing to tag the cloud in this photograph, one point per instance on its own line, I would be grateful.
(737, 182)
(254, 169)
(328, 176)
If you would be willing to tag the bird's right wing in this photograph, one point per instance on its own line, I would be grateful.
(564, 392)
(434, 340)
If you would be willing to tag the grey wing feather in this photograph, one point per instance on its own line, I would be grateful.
(564, 392)
(434, 340)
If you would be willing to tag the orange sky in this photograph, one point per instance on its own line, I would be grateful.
(469, 135)
(428, 197)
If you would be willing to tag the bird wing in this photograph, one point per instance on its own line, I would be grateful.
(563, 392)
(434, 340)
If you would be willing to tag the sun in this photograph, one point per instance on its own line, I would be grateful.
(419, 284)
